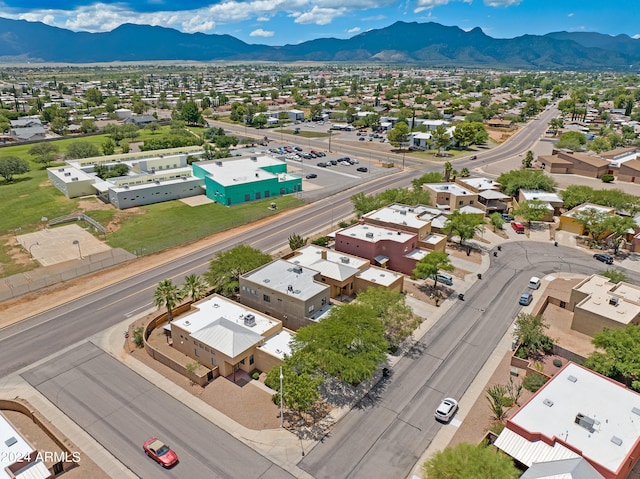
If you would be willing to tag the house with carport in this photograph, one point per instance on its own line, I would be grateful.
(550, 201)
(577, 416)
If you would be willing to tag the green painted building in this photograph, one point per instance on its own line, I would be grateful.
(239, 180)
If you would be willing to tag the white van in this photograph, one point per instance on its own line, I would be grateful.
(534, 282)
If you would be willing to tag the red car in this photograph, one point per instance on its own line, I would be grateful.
(160, 452)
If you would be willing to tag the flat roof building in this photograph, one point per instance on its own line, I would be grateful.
(599, 304)
(251, 178)
(292, 293)
(577, 413)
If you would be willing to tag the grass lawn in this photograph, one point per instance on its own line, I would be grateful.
(30, 198)
(164, 225)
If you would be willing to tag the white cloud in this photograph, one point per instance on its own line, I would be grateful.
(636, 36)
(353, 30)
(261, 33)
(571, 14)
(102, 17)
(375, 18)
(501, 3)
(319, 16)
(422, 5)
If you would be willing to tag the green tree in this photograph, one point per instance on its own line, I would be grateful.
(515, 180)
(470, 461)
(620, 226)
(259, 121)
(44, 153)
(58, 125)
(497, 221)
(227, 266)
(448, 169)
(399, 135)
(296, 241)
(108, 147)
(431, 264)
(300, 383)
(614, 275)
(532, 210)
(431, 177)
(94, 96)
(348, 344)
(88, 126)
(556, 124)
(195, 287)
(527, 161)
(82, 149)
(463, 225)
(574, 195)
(530, 333)
(595, 222)
(167, 295)
(12, 165)
(441, 138)
(392, 311)
(190, 113)
(572, 140)
(599, 145)
(617, 355)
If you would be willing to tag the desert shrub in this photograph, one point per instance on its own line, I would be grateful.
(534, 381)
(607, 178)
(322, 241)
(256, 375)
(557, 363)
(138, 336)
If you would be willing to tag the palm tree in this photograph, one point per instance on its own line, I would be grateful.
(195, 287)
(167, 295)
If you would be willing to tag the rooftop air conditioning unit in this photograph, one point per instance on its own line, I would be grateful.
(297, 269)
(60, 169)
(250, 320)
(369, 235)
(613, 300)
(254, 158)
(74, 179)
(219, 163)
(67, 173)
(403, 212)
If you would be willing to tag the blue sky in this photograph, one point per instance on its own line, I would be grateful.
(278, 22)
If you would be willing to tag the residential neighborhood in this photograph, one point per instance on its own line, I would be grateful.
(289, 246)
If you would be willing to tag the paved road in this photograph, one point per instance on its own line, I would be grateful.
(387, 434)
(121, 410)
(46, 334)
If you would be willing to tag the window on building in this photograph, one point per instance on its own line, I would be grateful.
(266, 298)
(195, 351)
(258, 196)
(311, 308)
(247, 197)
(251, 359)
(213, 361)
(460, 202)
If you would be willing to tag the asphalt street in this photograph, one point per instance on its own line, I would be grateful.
(121, 410)
(391, 432)
(388, 432)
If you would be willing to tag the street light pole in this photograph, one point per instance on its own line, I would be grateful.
(76, 242)
(329, 140)
(281, 408)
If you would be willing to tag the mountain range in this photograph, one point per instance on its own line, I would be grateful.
(428, 44)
